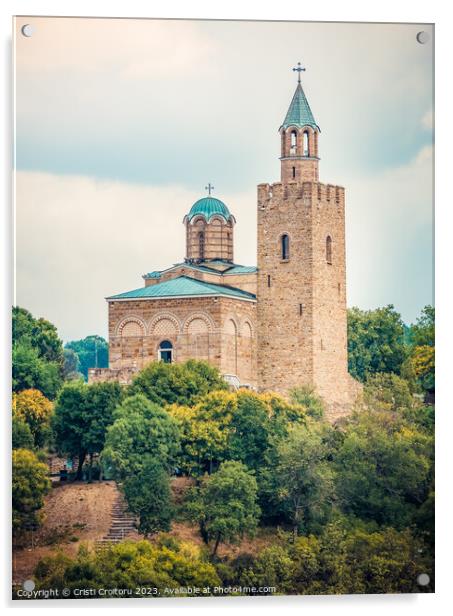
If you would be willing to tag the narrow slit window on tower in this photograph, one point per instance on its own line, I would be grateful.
(285, 247)
(294, 172)
(201, 245)
(329, 250)
(268, 280)
(301, 309)
(305, 143)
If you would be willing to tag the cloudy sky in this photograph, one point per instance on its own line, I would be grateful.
(121, 123)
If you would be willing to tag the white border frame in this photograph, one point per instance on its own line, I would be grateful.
(349, 10)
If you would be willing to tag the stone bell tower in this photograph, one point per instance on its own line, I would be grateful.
(301, 309)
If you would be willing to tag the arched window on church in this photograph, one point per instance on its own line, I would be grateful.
(293, 142)
(201, 245)
(305, 144)
(285, 247)
(165, 352)
(329, 250)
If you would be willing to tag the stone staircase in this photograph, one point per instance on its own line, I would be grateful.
(122, 524)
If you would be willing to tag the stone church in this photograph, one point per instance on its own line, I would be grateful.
(272, 327)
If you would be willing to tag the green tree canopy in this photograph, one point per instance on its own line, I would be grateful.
(92, 352)
(384, 468)
(232, 426)
(82, 416)
(31, 371)
(298, 480)
(226, 504)
(148, 495)
(30, 483)
(422, 332)
(183, 384)
(375, 341)
(167, 564)
(141, 430)
(21, 435)
(39, 334)
(71, 367)
(350, 560)
(33, 408)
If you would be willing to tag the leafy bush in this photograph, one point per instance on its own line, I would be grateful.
(30, 483)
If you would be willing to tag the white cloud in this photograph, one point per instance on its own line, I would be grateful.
(130, 47)
(79, 240)
(389, 243)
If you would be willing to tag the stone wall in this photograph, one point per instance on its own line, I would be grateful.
(301, 310)
(219, 330)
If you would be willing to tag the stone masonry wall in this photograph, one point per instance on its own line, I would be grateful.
(219, 330)
(301, 338)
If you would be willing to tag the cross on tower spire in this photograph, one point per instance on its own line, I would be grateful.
(299, 68)
(209, 188)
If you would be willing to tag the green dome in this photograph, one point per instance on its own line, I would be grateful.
(209, 207)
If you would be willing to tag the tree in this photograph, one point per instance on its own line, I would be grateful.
(204, 441)
(39, 334)
(101, 402)
(92, 352)
(182, 384)
(422, 360)
(422, 333)
(384, 468)
(30, 483)
(271, 567)
(249, 430)
(148, 495)
(375, 341)
(350, 559)
(226, 504)
(82, 416)
(31, 371)
(71, 365)
(141, 430)
(300, 480)
(34, 409)
(37, 354)
(419, 367)
(163, 565)
(306, 397)
(21, 435)
(388, 392)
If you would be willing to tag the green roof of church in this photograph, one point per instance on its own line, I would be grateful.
(209, 207)
(299, 112)
(183, 286)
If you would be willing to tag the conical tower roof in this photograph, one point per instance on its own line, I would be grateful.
(299, 112)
